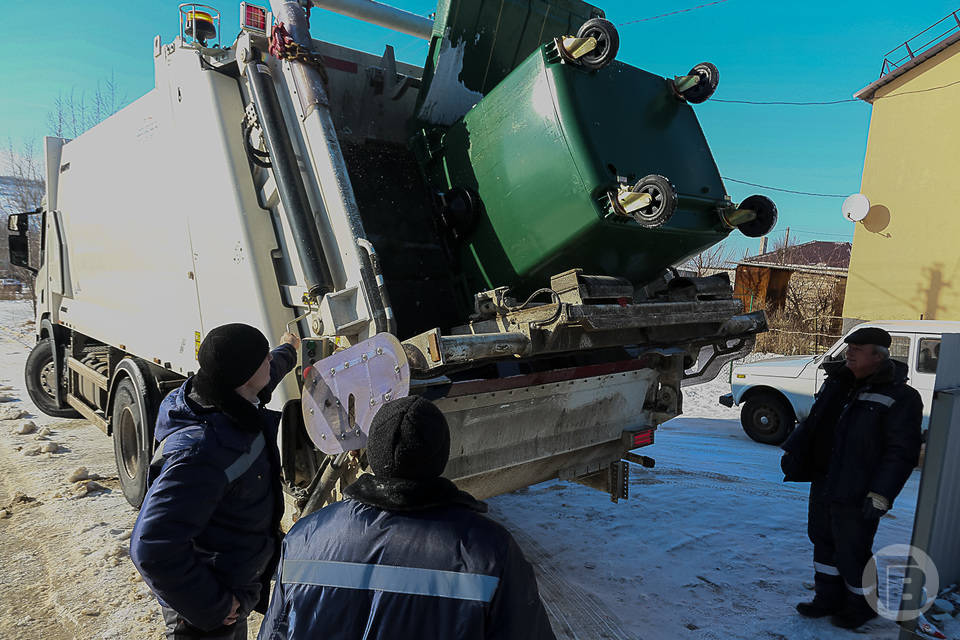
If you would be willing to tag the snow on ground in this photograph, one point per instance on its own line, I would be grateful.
(700, 400)
(710, 545)
(66, 572)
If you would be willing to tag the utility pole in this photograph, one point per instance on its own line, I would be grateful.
(786, 240)
(763, 246)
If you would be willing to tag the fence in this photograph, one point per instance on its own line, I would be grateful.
(789, 335)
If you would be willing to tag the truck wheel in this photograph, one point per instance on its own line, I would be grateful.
(132, 438)
(767, 418)
(608, 42)
(41, 379)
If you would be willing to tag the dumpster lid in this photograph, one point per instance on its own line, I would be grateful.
(476, 43)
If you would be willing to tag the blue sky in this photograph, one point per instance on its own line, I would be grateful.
(793, 51)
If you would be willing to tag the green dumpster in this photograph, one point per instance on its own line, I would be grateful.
(544, 150)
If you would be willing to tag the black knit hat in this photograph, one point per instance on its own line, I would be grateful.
(231, 354)
(869, 335)
(409, 438)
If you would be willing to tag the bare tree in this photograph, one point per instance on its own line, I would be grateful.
(781, 247)
(22, 191)
(74, 111)
(812, 296)
(719, 257)
(22, 185)
(24, 177)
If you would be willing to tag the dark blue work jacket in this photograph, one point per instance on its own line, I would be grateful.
(356, 571)
(208, 529)
(860, 436)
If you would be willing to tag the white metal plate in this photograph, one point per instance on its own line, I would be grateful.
(342, 392)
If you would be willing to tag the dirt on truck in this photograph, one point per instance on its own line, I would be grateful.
(493, 230)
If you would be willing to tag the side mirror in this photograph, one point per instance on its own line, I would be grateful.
(19, 241)
(836, 357)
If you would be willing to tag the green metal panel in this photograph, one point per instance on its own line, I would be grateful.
(544, 147)
(498, 35)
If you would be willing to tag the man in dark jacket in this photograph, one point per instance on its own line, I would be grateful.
(207, 537)
(857, 447)
(407, 555)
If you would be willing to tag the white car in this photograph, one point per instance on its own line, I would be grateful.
(779, 392)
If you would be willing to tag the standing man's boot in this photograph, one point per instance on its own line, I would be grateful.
(819, 607)
(855, 613)
(830, 592)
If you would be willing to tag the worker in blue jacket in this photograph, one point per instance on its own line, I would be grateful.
(857, 448)
(207, 538)
(406, 555)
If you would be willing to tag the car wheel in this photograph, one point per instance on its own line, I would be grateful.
(41, 379)
(767, 418)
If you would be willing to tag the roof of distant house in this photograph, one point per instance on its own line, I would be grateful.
(815, 256)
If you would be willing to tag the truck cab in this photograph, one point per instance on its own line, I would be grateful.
(777, 393)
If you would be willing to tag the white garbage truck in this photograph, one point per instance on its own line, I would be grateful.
(486, 231)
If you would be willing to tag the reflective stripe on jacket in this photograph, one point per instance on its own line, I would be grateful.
(352, 570)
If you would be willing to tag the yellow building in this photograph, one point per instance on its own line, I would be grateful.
(906, 253)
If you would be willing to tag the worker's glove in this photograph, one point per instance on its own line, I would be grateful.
(791, 467)
(874, 506)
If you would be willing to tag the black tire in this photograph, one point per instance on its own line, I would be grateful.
(40, 376)
(664, 196)
(767, 418)
(766, 218)
(132, 422)
(608, 43)
(709, 79)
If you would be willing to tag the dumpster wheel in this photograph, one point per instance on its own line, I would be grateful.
(664, 200)
(709, 79)
(765, 219)
(608, 43)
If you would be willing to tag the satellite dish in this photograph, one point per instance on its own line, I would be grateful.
(855, 207)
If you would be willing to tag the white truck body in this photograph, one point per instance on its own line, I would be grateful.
(160, 226)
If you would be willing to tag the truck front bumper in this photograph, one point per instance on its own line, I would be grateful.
(726, 399)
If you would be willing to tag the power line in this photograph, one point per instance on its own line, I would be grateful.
(672, 13)
(829, 102)
(794, 104)
(802, 193)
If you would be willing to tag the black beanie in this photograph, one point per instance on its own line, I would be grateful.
(231, 354)
(409, 438)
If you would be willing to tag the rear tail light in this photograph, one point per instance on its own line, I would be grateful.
(639, 437)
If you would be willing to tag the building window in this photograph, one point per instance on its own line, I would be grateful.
(928, 354)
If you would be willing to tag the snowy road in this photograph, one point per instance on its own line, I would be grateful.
(65, 571)
(710, 544)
